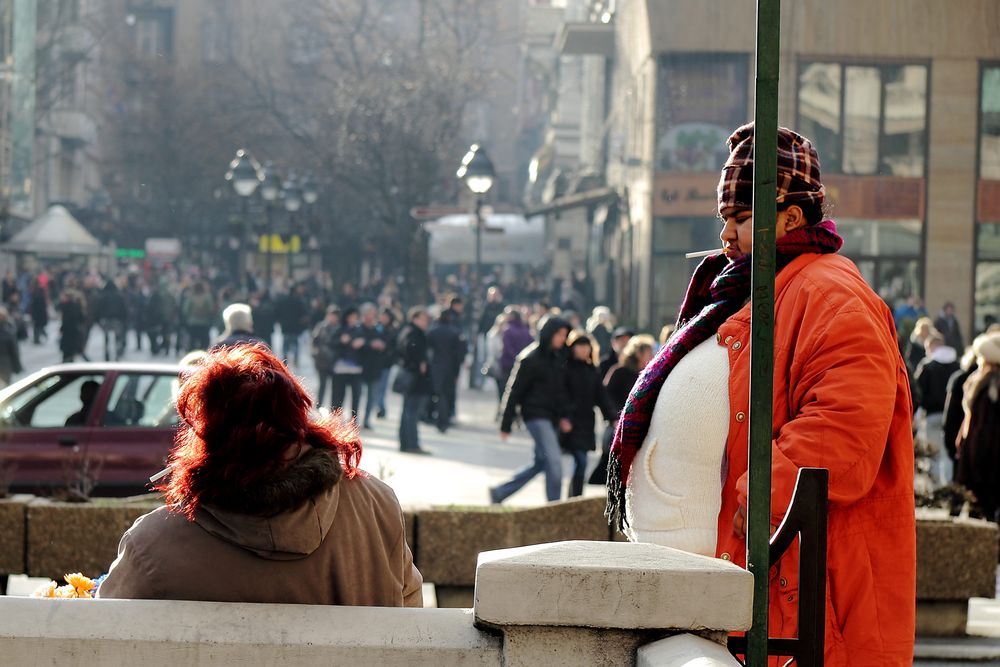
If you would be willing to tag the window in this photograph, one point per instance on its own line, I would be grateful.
(153, 31)
(887, 252)
(865, 119)
(142, 400)
(56, 401)
(987, 289)
(702, 98)
(216, 39)
(672, 237)
(989, 139)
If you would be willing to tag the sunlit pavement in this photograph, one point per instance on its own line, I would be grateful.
(463, 462)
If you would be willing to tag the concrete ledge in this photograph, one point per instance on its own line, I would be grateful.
(12, 556)
(611, 585)
(941, 545)
(152, 633)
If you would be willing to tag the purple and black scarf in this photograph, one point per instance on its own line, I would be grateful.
(717, 291)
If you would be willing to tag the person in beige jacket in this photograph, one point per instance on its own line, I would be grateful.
(263, 503)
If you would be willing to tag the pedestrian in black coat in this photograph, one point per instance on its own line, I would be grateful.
(10, 354)
(586, 392)
(372, 357)
(347, 363)
(413, 378)
(447, 350)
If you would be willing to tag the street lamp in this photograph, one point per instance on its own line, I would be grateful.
(270, 189)
(245, 175)
(309, 192)
(292, 193)
(477, 172)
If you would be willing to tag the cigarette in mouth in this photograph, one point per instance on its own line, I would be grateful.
(160, 475)
(703, 253)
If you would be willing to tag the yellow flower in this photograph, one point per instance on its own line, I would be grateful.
(81, 585)
(66, 591)
(45, 591)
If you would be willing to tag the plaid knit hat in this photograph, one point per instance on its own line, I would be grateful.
(798, 170)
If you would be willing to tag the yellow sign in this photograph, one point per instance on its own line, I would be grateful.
(279, 246)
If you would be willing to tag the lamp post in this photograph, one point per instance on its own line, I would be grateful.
(292, 195)
(478, 174)
(270, 189)
(245, 175)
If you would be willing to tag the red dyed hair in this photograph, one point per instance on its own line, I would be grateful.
(241, 411)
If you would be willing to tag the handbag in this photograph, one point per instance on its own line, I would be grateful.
(403, 382)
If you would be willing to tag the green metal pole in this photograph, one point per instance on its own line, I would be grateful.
(762, 319)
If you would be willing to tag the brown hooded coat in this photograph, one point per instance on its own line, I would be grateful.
(345, 546)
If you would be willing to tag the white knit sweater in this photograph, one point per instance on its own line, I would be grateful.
(675, 489)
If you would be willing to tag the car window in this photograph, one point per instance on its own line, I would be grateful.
(55, 401)
(141, 399)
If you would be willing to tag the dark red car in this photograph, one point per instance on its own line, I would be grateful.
(112, 421)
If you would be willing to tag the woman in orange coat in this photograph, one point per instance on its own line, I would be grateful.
(678, 471)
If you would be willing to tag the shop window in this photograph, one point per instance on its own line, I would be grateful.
(865, 119)
(989, 139)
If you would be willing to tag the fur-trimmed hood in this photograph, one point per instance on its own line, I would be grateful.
(284, 517)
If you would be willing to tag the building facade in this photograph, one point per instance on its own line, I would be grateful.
(900, 98)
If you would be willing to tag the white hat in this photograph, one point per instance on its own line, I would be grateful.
(987, 347)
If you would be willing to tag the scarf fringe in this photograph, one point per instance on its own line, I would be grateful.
(615, 509)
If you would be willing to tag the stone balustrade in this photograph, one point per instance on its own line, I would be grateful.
(564, 603)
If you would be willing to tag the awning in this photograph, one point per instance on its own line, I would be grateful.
(586, 39)
(576, 200)
(56, 232)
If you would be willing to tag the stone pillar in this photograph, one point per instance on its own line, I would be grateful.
(596, 603)
(951, 183)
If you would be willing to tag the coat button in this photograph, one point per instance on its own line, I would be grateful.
(737, 345)
(718, 338)
(791, 598)
(729, 339)
(726, 556)
(741, 417)
(783, 582)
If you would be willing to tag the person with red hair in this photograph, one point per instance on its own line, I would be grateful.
(263, 502)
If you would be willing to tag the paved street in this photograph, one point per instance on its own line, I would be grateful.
(467, 459)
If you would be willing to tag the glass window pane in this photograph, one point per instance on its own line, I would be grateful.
(673, 235)
(880, 238)
(903, 145)
(862, 108)
(989, 156)
(141, 400)
(819, 111)
(987, 294)
(67, 402)
(702, 98)
(671, 274)
(988, 245)
(897, 279)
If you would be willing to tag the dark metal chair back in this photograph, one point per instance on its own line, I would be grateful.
(806, 520)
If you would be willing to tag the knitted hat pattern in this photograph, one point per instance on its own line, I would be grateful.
(799, 180)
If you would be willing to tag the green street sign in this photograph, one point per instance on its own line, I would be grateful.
(130, 253)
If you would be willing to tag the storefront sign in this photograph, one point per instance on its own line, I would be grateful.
(684, 194)
(875, 197)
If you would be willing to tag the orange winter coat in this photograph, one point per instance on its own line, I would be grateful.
(841, 402)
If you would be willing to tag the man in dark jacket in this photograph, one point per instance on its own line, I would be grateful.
(947, 324)
(112, 313)
(448, 349)
(414, 378)
(537, 388)
(293, 316)
(372, 357)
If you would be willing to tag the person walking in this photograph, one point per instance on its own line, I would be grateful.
(916, 345)
(238, 321)
(930, 391)
(979, 445)
(618, 382)
(372, 358)
(537, 390)
(10, 353)
(39, 310)
(947, 324)
(323, 347)
(600, 324)
(586, 392)
(71, 329)
(389, 332)
(679, 463)
(447, 350)
(293, 316)
(516, 337)
(112, 311)
(413, 378)
(199, 312)
(347, 368)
